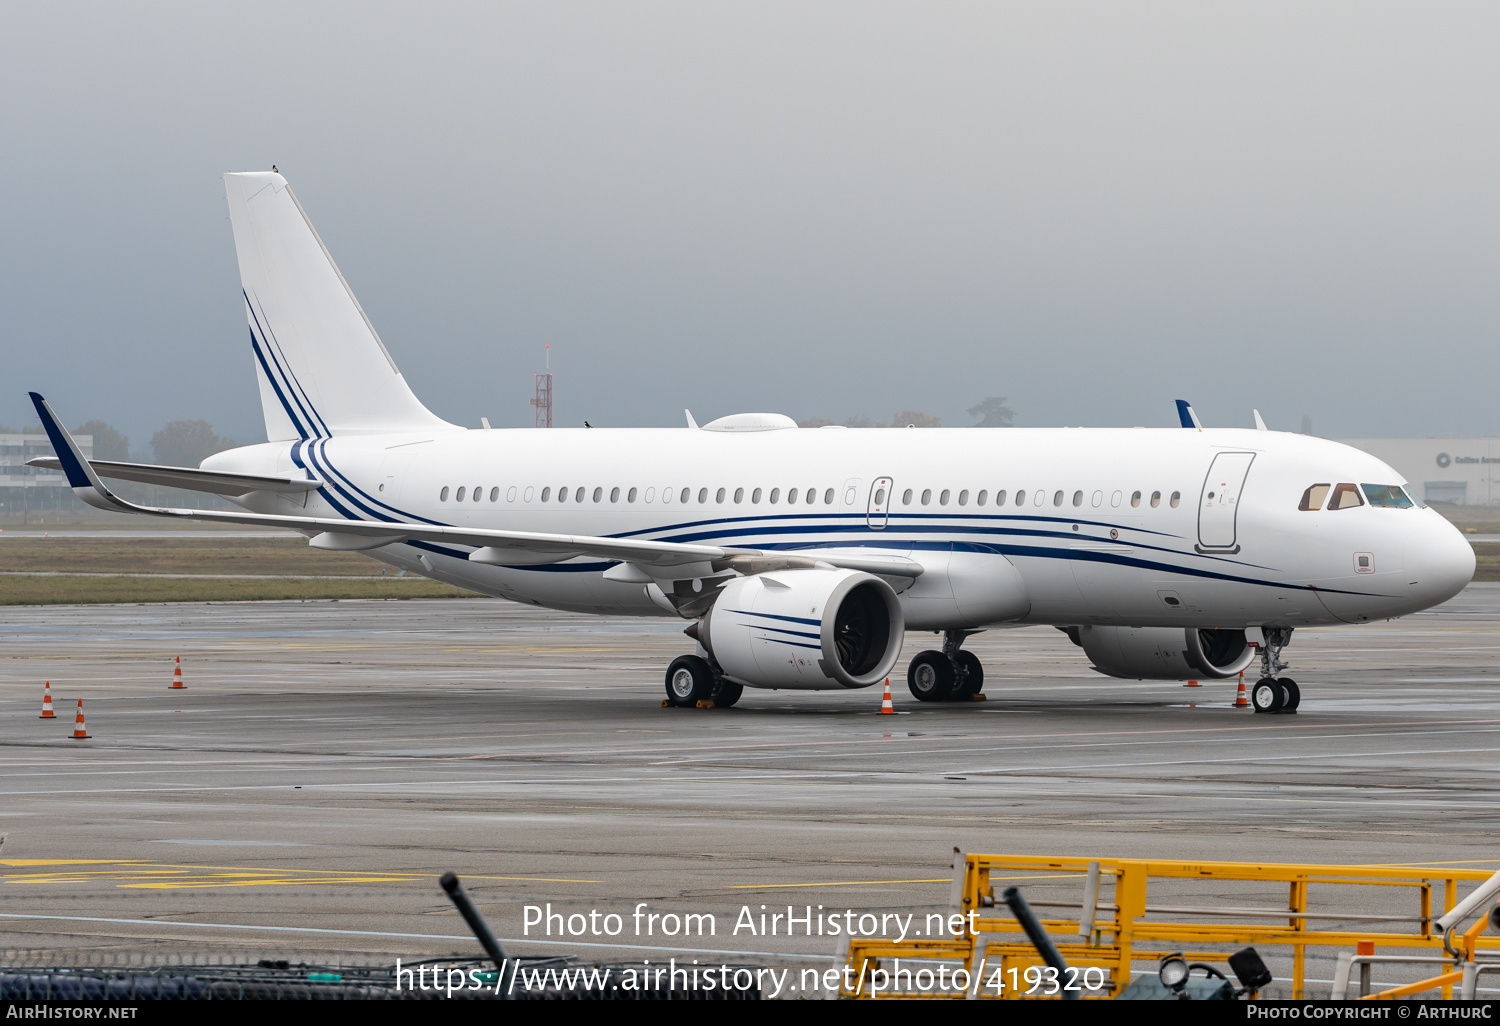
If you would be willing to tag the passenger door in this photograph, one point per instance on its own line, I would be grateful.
(1219, 503)
(878, 511)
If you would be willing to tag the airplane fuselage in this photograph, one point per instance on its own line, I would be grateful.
(1024, 526)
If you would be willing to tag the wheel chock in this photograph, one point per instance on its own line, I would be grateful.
(978, 698)
(665, 704)
(705, 703)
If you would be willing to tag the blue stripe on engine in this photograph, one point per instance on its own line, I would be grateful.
(780, 630)
(773, 616)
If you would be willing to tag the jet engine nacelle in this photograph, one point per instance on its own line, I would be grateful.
(805, 629)
(1164, 653)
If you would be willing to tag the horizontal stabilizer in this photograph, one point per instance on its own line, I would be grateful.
(188, 477)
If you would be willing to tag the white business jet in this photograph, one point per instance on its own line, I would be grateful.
(802, 557)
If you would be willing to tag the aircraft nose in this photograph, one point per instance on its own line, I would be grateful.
(1441, 561)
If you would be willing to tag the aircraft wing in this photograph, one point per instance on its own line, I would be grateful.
(500, 547)
(188, 477)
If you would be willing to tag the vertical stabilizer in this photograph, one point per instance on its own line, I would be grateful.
(322, 368)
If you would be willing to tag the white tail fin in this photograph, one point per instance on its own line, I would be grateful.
(322, 368)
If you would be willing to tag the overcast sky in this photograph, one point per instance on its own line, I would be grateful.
(818, 209)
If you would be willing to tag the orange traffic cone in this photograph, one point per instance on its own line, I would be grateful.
(78, 731)
(886, 708)
(1241, 700)
(177, 676)
(47, 713)
(1192, 684)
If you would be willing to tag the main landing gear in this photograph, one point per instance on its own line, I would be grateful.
(691, 681)
(951, 675)
(1273, 694)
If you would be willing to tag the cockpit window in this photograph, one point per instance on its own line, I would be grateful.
(1313, 497)
(1345, 496)
(1386, 495)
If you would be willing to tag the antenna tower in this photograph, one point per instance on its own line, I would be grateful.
(543, 398)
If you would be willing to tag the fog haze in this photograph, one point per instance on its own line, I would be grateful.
(831, 210)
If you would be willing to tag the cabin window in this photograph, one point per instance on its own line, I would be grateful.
(943, 498)
(1057, 498)
(979, 499)
(828, 497)
(1345, 496)
(650, 495)
(578, 495)
(1038, 497)
(1155, 499)
(510, 494)
(791, 496)
(880, 497)
(685, 493)
(1135, 499)
(443, 495)
(495, 494)
(1386, 495)
(598, 494)
(999, 498)
(1312, 499)
(1176, 499)
(963, 497)
(666, 495)
(1078, 498)
(739, 496)
(719, 495)
(527, 496)
(702, 495)
(775, 494)
(478, 492)
(562, 494)
(1021, 497)
(1098, 499)
(630, 495)
(906, 497)
(926, 496)
(614, 495)
(460, 496)
(546, 494)
(755, 496)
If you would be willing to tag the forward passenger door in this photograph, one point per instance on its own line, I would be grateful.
(878, 511)
(1218, 505)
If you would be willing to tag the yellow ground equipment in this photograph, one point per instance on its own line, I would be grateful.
(1107, 914)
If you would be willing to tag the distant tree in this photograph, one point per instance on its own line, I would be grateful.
(993, 412)
(109, 444)
(6, 429)
(1306, 424)
(916, 418)
(815, 422)
(862, 422)
(187, 443)
(899, 420)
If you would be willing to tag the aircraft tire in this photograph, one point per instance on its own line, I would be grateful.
(973, 681)
(726, 693)
(930, 677)
(689, 680)
(1268, 696)
(1293, 694)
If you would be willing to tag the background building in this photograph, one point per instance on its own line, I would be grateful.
(23, 487)
(1455, 471)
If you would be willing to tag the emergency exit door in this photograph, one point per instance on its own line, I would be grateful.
(1218, 506)
(880, 503)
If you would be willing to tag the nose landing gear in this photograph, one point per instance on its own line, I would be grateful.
(951, 675)
(1273, 694)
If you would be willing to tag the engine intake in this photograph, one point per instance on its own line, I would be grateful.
(805, 629)
(1164, 653)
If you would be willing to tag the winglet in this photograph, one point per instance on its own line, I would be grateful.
(81, 477)
(1188, 415)
(692, 424)
(1260, 424)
